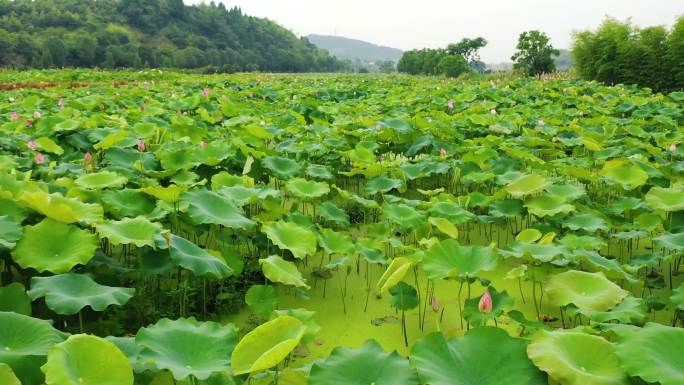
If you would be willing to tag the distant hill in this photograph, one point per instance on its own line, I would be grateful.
(352, 49)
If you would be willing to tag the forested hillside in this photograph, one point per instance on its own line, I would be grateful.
(149, 33)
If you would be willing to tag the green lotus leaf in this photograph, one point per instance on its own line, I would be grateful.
(506, 208)
(570, 192)
(307, 317)
(655, 353)
(87, 360)
(624, 173)
(267, 345)
(533, 251)
(59, 208)
(395, 273)
(403, 296)
(588, 222)
(48, 145)
(127, 203)
(677, 297)
(24, 343)
(666, 199)
(318, 171)
(101, 180)
(277, 269)
(670, 241)
(68, 293)
(484, 356)
(548, 205)
(54, 246)
(631, 310)
(261, 299)
(306, 189)
(404, 216)
(448, 259)
(527, 185)
(368, 364)
(282, 168)
(445, 226)
(574, 358)
(10, 232)
(191, 257)
(290, 236)
(138, 231)
(13, 298)
(187, 347)
(169, 194)
(587, 291)
(382, 184)
(335, 242)
(333, 213)
(529, 236)
(7, 376)
(452, 212)
(500, 301)
(205, 206)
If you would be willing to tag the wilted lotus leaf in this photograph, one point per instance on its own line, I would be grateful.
(280, 167)
(666, 199)
(452, 212)
(205, 206)
(484, 356)
(10, 232)
(87, 360)
(138, 231)
(191, 257)
(548, 205)
(187, 347)
(101, 180)
(655, 353)
(54, 246)
(13, 298)
(448, 259)
(306, 189)
(527, 185)
(574, 358)
(624, 173)
(69, 293)
(279, 270)
(290, 236)
(59, 208)
(369, 364)
(267, 345)
(587, 291)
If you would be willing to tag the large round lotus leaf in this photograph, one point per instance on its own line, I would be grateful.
(290, 236)
(127, 203)
(445, 226)
(267, 345)
(394, 274)
(138, 231)
(526, 185)
(448, 258)
(528, 236)
(369, 364)
(318, 171)
(588, 222)
(666, 199)
(631, 310)
(548, 205)
(403, 296)
(591, 291)
(574, 358)
(187, 347)
(54, 246)
(570, 192)
(205, 206)
(101, 180)
(59, 208)
(87, 360)
(69, 293)
(678, 297)
(261, 299)
(484, 356)
(655, 353)
(382, 184)
(277, 269)
(533, 251)
(335, 242)
(670, 241)
(190, 256)
(624, 173)
(13, 298)
(506, 208)
(283, 168)
(7, 376)
(333, 213)
(452, 212)
(306, 189)
(406, 217)
(10, 232)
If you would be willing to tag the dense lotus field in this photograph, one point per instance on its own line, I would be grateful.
(161, 228)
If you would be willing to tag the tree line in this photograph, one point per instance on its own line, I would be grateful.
(619, 52)
(152, 34)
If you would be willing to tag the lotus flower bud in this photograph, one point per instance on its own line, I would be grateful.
(37, 115)
(141, 145)
(450, 104)
(14, 115)
(206, 92)
(485, 305)
(32, 144)
(442, 152)
(435, 304)
(672, 148)
(61, 103)
(87, 158)
(202, 145)
(39, 159)
(492, 111)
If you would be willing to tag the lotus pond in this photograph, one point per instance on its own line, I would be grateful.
(165, 228)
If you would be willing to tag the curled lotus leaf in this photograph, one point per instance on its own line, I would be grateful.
(206, 206)
(624, 173)
(279, 270)
(280, 167)
(101, 180)
(293, 237)
(590, 291)
(59, 208)
(452, 212)
(666, 199)
(192, 257)
(548, 205)
(138, 231)
(449, 259)
(527, 185)
(307, 189)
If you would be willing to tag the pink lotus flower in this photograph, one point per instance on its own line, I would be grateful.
(14, 115)
(141, 145)
(36, 115)
(672, 148)
(87, 158)
(485, 305)
(492, 111)
(61, 103)
(203, 144)
(39, 159)
(450, 104)
(442, 152)
(206, 92)
(435, 304)
(29, 122)
(32, 144)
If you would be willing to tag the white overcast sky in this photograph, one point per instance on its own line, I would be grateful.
(435, 23)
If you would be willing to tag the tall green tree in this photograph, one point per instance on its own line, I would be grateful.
(534, 55)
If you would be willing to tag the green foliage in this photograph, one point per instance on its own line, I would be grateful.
(455, 60)
(534, 55)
